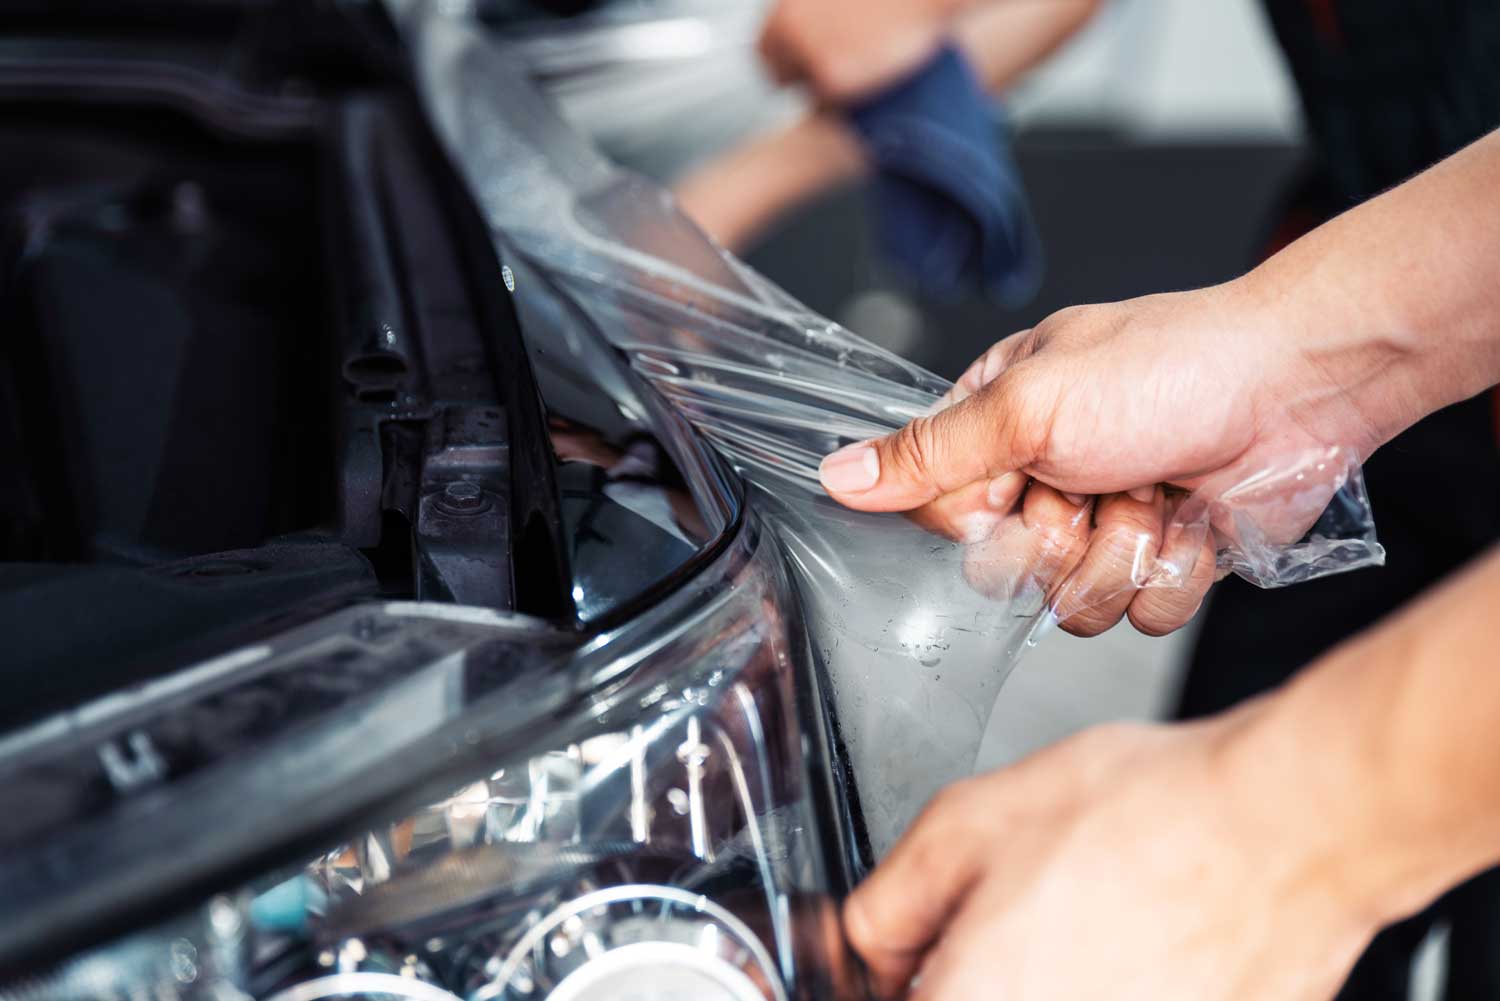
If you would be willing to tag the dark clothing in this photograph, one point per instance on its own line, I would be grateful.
(1435, 491)
(948, 202)
(1389, 87)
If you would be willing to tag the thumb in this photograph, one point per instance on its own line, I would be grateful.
(895, 916)
(978, 438)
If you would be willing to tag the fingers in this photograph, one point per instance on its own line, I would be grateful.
(1122, 552)
(778, 57)
(980, 438)
(1033, 550)
(897, 913)
(975, 432)
(973, 513)
(1091, 561)
(1190, 560)
(843, 49)
(985, 369)
(956, 968)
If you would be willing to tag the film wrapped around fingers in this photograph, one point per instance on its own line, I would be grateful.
(916, 631)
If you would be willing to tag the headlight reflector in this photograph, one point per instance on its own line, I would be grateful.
(662, 838)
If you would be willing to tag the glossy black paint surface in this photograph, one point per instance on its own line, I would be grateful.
(414, 421)
(256, 312)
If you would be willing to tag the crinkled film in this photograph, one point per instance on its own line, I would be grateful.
(916, 632)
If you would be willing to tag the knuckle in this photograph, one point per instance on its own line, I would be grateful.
(862, 923)
(1052, 322)
(1125, 549)
(1126, 511)
(1127, 537)
(1089, 622)
(1012, 349)
(1068, 318)
(1090, 603)
(912, 448)
(1158, 612)
(1022, 347)
(993, 363)
(1062, 539)
(1022, 405)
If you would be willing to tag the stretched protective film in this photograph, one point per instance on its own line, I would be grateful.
(916, 632)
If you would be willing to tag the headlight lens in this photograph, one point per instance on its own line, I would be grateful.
(672, 842)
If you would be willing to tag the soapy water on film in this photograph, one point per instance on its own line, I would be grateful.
(915, 655)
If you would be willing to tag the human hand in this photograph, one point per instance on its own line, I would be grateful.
(1193, 389)
(844, 49)
(1130, 862)
(735, 196)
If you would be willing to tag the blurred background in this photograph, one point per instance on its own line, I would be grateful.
(1159, 148)
(1156, 147)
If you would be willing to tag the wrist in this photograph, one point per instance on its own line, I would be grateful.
(1395, 303)
(1309, 809)
(1357, 821)
(1338, 365)
(829, 149)
(782, 169)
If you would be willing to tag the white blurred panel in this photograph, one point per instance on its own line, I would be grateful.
(1168, 68)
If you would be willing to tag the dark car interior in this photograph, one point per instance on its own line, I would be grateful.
(250, 329)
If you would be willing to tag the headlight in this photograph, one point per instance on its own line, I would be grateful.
(670, 832)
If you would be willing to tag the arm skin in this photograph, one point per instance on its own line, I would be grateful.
(1347, 337)
(843, 49)
(1250, 857)
(737, 195)
(1391, 743)
(1397, 302)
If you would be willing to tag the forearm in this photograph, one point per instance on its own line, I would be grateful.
(1384, 758)
(738, 194)
(1005, 39)
(1398, 300)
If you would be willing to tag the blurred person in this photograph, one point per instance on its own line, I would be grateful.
(1388, 87)
(1252, 854)
(735, 196)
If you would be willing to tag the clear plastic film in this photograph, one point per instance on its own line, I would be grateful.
(917, 632)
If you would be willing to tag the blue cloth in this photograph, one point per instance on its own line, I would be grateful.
(949, 206)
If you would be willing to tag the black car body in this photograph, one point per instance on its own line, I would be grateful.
(360, 641)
